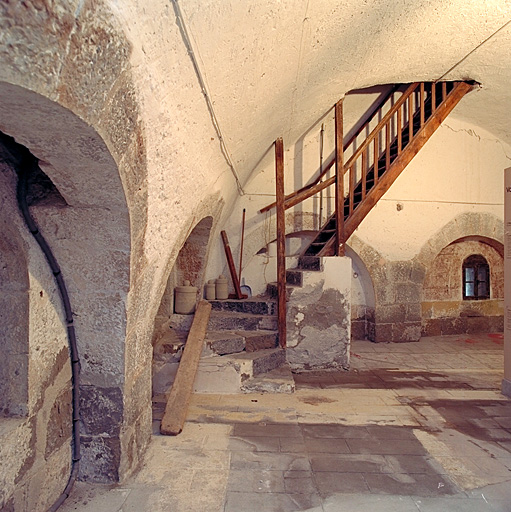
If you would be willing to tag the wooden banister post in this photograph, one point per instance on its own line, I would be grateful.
(281, 241)
(339, 180)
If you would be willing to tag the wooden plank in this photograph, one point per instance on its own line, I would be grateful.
(281, 241)
(339, 180)
(179, 397)
(433, 97)
(387, 146)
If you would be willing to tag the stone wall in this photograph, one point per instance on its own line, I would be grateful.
(35, 372)
(319, 318)
(443, 309)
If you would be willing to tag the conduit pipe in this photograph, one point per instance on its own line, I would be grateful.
(28, 163)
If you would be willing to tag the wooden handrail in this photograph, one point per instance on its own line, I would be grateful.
(385, 119)
(329, 164)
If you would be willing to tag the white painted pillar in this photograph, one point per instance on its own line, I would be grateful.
(506, 382)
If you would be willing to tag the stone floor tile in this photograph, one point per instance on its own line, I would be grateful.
(350, 463)
(453, 505)
(297, 485)
(389, 432)
(277, 502)
(409, 484)
(269, 461)
(326, 445)
(412, 464)
(254, 444)
(368, 503)
(386, 446)
(334, 431)
(266, 430)
(253, 480)
(329, 483)
(292, 445)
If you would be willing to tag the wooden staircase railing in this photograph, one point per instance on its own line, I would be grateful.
(404, 128)
(405, 125)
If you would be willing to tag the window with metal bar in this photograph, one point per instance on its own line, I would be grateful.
(476, 278)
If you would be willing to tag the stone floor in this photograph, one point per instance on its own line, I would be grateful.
(412, 427)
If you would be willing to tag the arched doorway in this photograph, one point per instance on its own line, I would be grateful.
(169, 329)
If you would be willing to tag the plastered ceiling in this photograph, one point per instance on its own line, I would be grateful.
(273, 68)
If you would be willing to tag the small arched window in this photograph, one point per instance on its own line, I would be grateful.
(476, 278)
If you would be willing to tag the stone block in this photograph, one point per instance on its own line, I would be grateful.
(358, 329)
(406, 332)
(225, 342)
(101, 410)
(391, 313)
(260, 340)
(407, 293)
(400, 271)
(100, 459)
(382, 332)
(478, 324)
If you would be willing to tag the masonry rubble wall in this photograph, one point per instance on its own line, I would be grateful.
(318, 320)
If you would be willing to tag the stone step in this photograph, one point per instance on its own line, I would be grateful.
(260, 340)
(229, 321)
(254, 306)
(279, 380)
(310, 263)
(272, 289)
(227, 374)
(294, 276)
(224, 342)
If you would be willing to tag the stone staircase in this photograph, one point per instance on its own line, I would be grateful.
(241, 352)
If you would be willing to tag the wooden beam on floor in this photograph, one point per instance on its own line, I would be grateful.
(179, 397)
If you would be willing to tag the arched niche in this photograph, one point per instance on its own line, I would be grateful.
(170, 330)
(444, 308)
(362, 298)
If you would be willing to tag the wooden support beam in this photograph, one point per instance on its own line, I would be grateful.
(339, 180)
(281, 241)
(179, 397)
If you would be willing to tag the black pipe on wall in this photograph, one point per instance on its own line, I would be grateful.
(29, 164)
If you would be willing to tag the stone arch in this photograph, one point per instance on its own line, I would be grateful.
(169, 329)
(363, 298)
(90, 236)
(444, 308)
(485, 226)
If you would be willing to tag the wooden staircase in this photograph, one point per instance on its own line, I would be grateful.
(392, 145)
(398, 128)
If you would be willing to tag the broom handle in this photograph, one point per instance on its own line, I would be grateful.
(241, 249)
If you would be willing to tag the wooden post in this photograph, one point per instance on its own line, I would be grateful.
(339, 180)
(281, 240)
